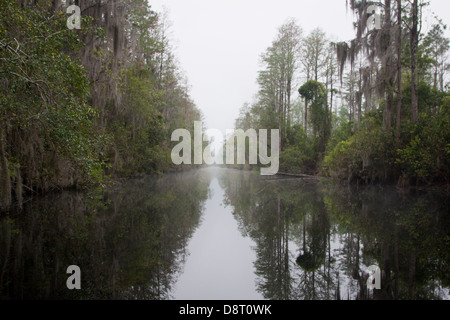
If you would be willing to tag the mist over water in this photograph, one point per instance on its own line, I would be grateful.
(226, 234)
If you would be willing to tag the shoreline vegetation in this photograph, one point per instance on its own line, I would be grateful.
(439, 188)
(81, 108)
(372, 110)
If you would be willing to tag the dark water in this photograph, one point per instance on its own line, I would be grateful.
(226, 234)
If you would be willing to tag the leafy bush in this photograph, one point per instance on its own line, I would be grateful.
(299, 155)
(426, 158)
(47, 127)
(368, 156)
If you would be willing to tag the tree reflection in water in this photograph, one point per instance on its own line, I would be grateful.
(312, 240)
(316, 241)
(128, 242)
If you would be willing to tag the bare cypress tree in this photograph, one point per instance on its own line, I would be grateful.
(291, 35)
(314, 60)
(280, 62)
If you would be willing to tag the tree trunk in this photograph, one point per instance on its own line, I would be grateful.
(414, 42)
(18, 187)
(331, 88)
(306, 115)
(5, 179)
(398, 120)
(280, 118)
(288, 107)
(387, 116)
(360, 97)
(387, 121)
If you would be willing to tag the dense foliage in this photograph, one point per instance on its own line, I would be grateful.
(371, 110)
(78, 105)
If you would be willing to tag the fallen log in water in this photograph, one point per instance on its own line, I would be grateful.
(282, 176)
(297, 175)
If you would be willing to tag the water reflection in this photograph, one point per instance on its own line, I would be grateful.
(128, 242)
(316, 241)
(219, 265)
(217, 233)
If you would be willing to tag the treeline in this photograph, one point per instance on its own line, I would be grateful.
(375, 109)
(79, 105)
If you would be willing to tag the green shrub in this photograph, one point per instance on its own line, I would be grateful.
(426, 158)
(368, 156)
